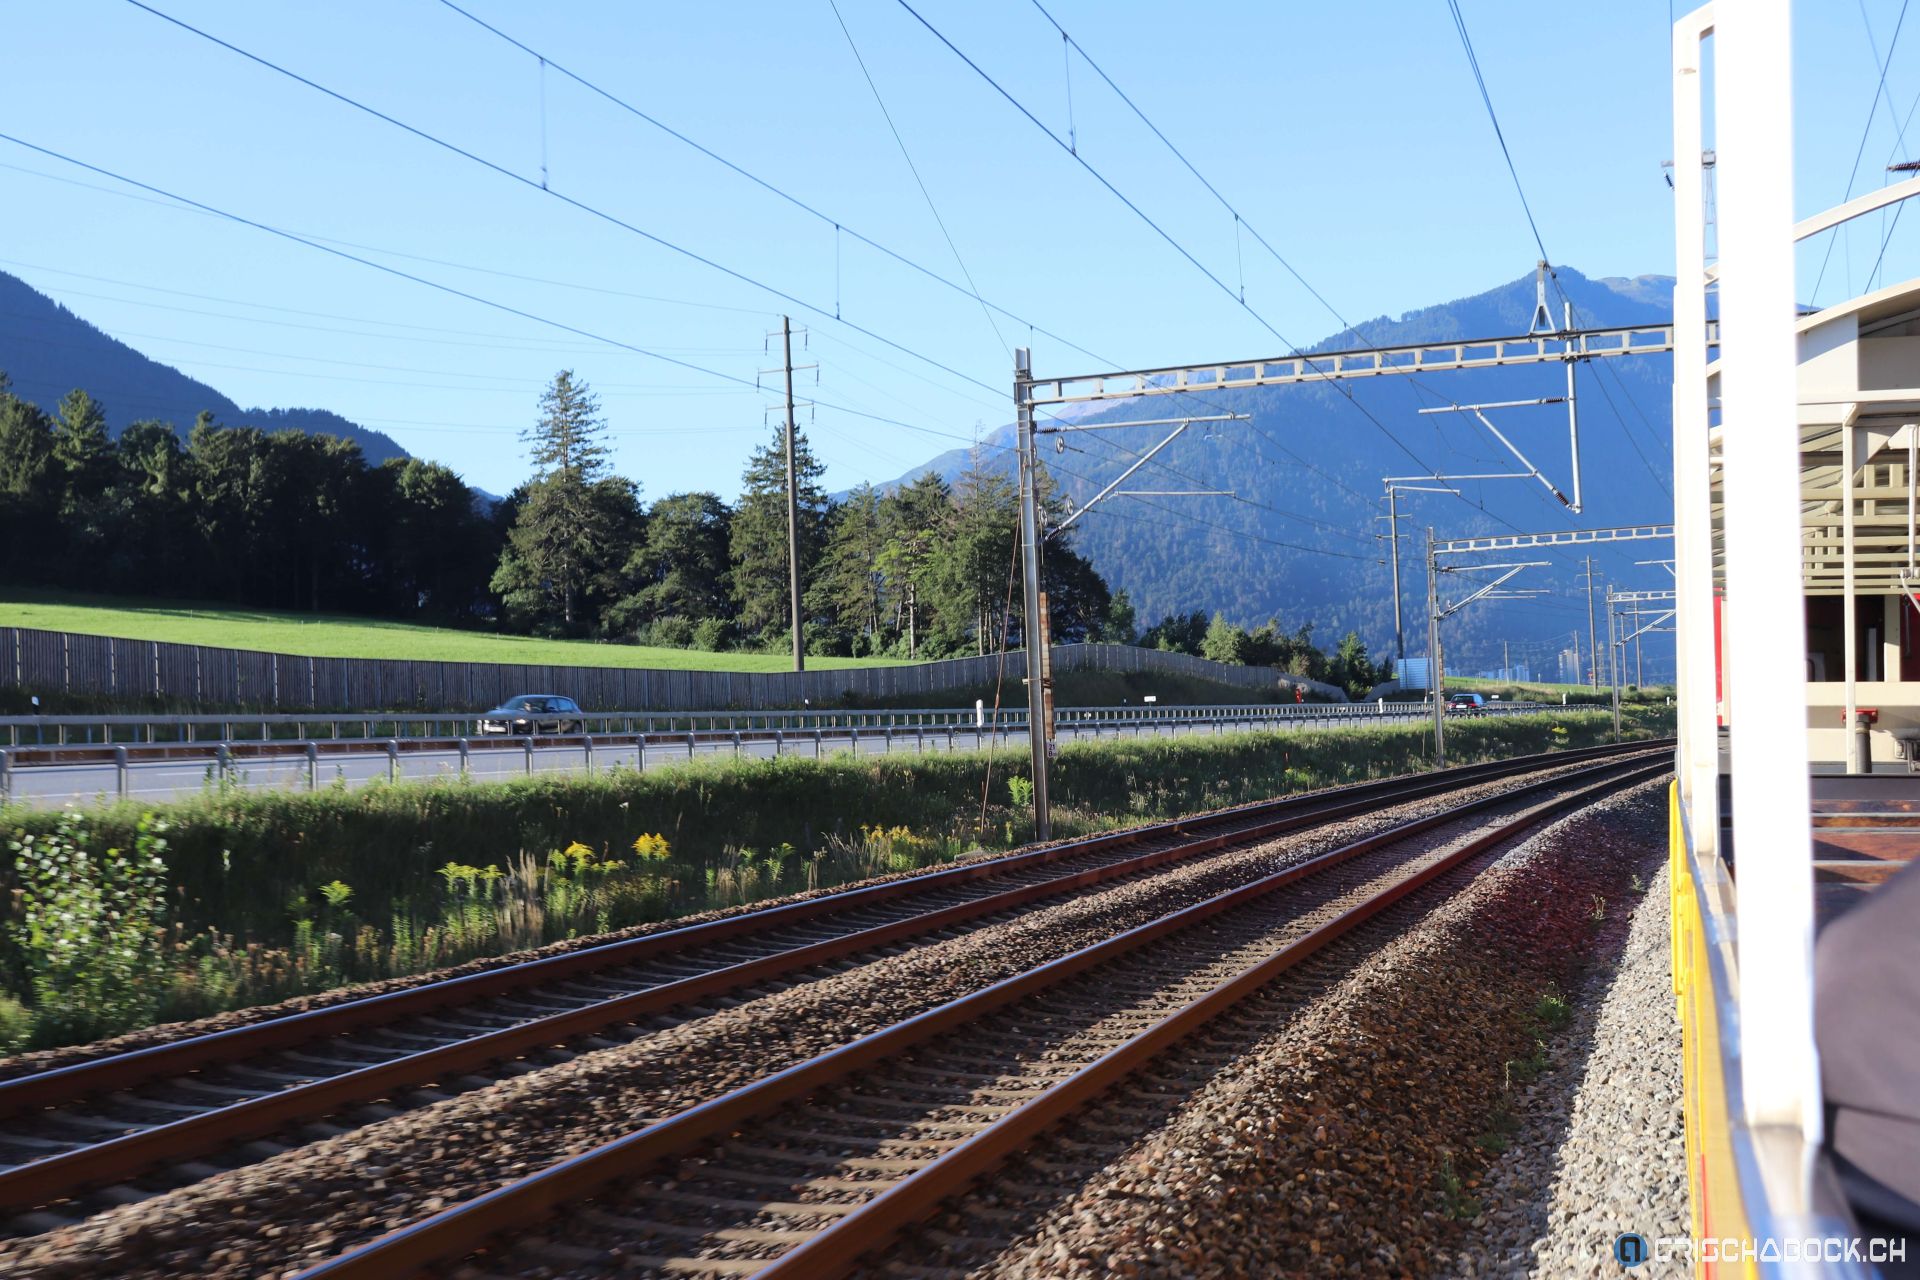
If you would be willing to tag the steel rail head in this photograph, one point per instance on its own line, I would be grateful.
(460, 1229)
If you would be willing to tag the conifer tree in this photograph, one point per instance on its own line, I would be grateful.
(563, 532)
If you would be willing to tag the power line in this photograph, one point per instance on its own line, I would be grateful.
(1486, 98)
(409, 257)
(435, 284)
(1181, 249)
(517, 344)
(821, 311)
(1473, 61)
(1873, 109)
(837, 224)
(972, 290)
(920, 182)
(1336, 383)
(1239, 219)
(612, 219)
(544, 320)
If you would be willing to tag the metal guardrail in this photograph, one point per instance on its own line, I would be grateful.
(224, 757)
(377, 726)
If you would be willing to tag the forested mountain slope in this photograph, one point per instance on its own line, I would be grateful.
(47, 351)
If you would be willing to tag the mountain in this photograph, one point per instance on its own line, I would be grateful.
(47, 351)
(1298, 542)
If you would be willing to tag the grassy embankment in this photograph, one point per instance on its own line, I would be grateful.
(323, 636)
(260, 895)
(328, 636)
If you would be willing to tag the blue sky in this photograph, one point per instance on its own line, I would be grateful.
(1352, 137)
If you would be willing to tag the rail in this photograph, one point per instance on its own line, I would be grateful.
(868, 1225)
(819, 940)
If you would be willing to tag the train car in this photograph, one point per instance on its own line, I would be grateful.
(1796, 806)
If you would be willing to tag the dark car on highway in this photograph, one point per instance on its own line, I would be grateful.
(534, 713)
(1467, 704)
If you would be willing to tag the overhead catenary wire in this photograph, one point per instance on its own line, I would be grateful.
(1239, 221)
(534, 317)
(611, 219)
(919, 181)
(1162, 232)
(1866, 130)
(971, 288)
(502, 170)
(839, 225)
(1337, 384)
(1533, 225)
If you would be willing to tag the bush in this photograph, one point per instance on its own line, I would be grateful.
(91, 928)
(712, 634)
(16, 1025)
(672, 632)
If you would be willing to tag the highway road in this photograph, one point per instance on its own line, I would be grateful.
(67, 781)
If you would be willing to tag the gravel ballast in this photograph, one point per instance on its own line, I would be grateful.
(344, 1190)
(1361, 1133)
(1602, 1144)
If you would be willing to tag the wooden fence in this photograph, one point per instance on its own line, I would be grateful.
(63, 662)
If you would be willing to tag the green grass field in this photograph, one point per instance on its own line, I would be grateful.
(327, 636)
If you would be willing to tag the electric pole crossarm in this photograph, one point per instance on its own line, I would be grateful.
(1657, 625)
(1512, 571)
(1118, 480)
(1399, 481)
(1477, 411)
(1434, 357)
(1139, 422)
(1491, 404)
(1558, 538)
(1525, 461)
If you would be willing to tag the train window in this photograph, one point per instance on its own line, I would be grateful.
(1826, 639)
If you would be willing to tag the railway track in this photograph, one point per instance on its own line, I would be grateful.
(253, 1091)
(125, 1128)
(806, 1170)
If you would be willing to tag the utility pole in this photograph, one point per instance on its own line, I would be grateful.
(1039, 659)
(1593, 646)
(1639, 675)
(793, 506)
(1614, 657)
(1506, 660)
(1393, 537)
(1433, 656)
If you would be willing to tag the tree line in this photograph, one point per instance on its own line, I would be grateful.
(290, 520)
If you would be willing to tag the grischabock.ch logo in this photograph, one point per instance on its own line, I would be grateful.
(1631, 1249)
